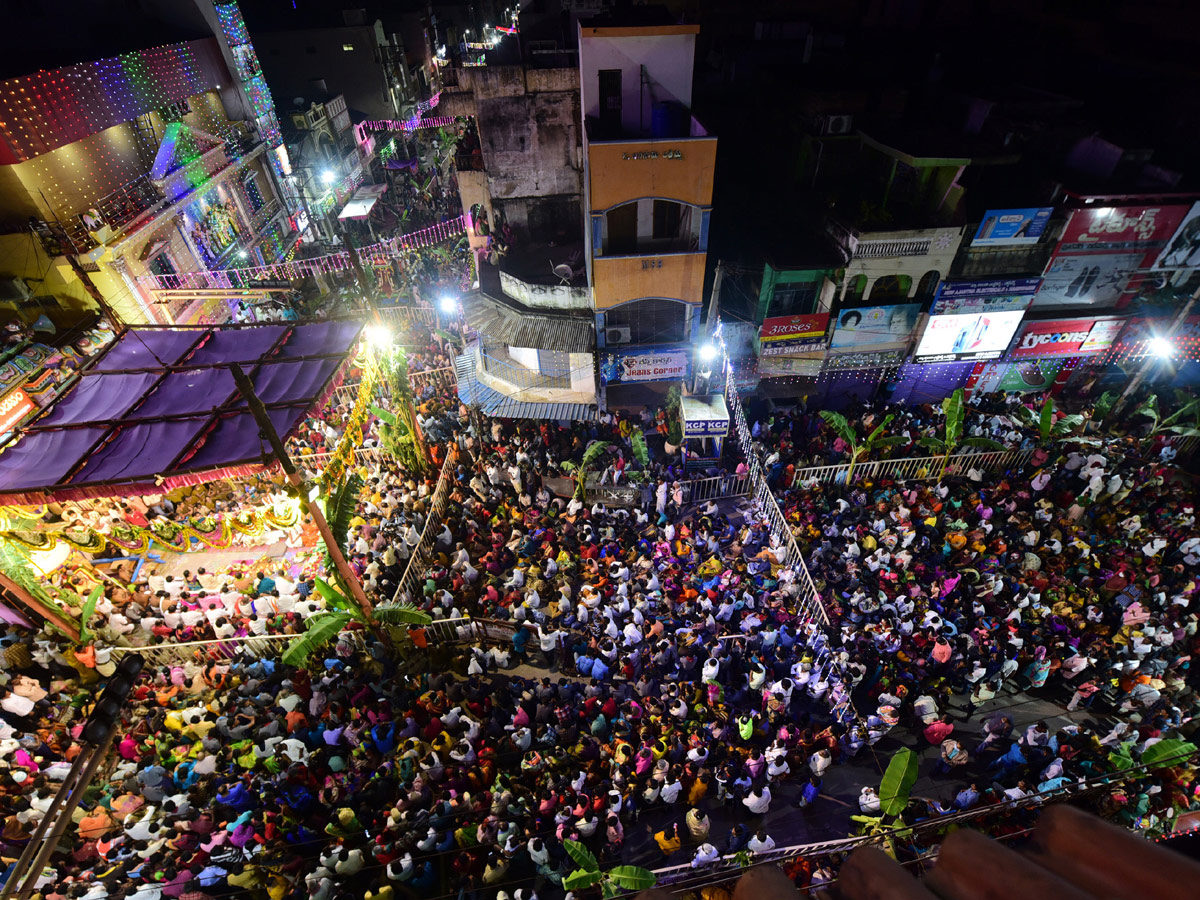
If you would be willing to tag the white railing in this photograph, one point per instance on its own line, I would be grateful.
(423, 552)
(262, 646)
(407, 315)
(700, 490)
(916, 467)
(887, 249)
(316, 462)
(444, 377)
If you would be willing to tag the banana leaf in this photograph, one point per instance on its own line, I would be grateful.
(322, 628)
(383, 415)
(581, 878)
(897, 782)
(89, 609)
(1169, 752)
(640, 451)
(632, 878)
(594, 449)
(581, 856)
(401, 614)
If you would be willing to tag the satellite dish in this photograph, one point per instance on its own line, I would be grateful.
(299, 102)
(563, 271)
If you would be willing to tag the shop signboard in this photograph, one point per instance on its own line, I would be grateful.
(14, 406)
(1101, 250)
(873, 325)
(868, 360)
(794, 328)
(644, 365)
(996, 295)
(1006, 227)
(1183, 249)
(1067, 337)
(773, 366)
(964, 337)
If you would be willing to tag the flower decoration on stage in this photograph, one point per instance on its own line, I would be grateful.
(352, 438)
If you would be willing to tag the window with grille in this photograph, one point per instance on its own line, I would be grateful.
(653, 321)
(160, 265)
(793, 299)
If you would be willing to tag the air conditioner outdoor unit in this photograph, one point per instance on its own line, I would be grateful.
(616, 336)
(837, 124)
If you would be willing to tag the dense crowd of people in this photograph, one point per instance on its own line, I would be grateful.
(675, 704)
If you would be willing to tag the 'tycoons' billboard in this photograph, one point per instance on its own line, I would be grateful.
(1066, 337)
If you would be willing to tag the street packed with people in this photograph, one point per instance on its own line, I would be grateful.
(637, 679)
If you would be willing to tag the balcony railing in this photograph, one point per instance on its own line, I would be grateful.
(889, 249)
(521, 377)
(116, 210)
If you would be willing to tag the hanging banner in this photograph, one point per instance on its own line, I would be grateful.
(1067, 337)
(1033, 375)
(645, 365)
(1005, 227)
(1101, 250)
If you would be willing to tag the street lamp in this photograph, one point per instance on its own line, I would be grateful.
(1163, 348)
(378, 336)
(328, 176)
(448, 303)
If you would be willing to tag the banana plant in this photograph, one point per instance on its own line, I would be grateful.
(955, 409)
(590, 454)
(612, 883)
(1185, 421)
(326, 626)
(640, 451)
(898, 781)
(1049, 429)
(860, 449)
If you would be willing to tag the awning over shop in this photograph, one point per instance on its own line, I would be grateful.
(159, 408)
(494, 403)
(705, 416)
(360, 205)
(536, 328)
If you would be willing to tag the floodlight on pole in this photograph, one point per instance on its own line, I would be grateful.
(1163, 348)
(708, 352)
(448, 303)
(328, 176)
(378, 336)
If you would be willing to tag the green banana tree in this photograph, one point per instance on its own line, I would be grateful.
(894, 792)
(612, 882)
(955, 409)
(590, 454)
(1185, 421)
(325, 626)
(860, 449)
(393, 365)
(640, 451)
(1049, 428)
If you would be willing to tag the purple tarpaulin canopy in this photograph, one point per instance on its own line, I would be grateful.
(184, 416)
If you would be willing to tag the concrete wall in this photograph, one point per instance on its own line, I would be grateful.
(620, 171)
(676, 276)
(943, 247)
(667, 55)
(545, 296)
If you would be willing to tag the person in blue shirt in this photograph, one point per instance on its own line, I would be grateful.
(966, 798)
(810, 792)
(520, 640)
(600, 669)
(1013, 759)
(585, 664)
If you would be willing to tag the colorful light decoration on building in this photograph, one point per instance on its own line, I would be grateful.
(410, 124)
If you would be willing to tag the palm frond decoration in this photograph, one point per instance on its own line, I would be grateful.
(85, 615)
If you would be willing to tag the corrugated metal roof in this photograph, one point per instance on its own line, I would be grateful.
(494, 403)
(502, 323)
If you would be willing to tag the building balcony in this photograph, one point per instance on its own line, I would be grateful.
(622, 279)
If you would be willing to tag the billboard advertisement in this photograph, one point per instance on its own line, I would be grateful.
(773, 366)
(1006, 227)
(1100, 251)
(997, 295)
(1067, 337)
(644, 365)
(874, 325)
(794, 328)
(1183, 249)
(970, 336)
(14, 407)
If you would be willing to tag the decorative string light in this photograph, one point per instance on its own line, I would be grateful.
(409, 124)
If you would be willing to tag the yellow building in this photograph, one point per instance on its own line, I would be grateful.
(121, 171)
(648, 176)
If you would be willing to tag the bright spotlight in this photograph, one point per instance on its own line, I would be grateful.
(378, 336)
(328, 176)
(1161, 347)
(448, 303)
(242, 254)
(708, 352)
